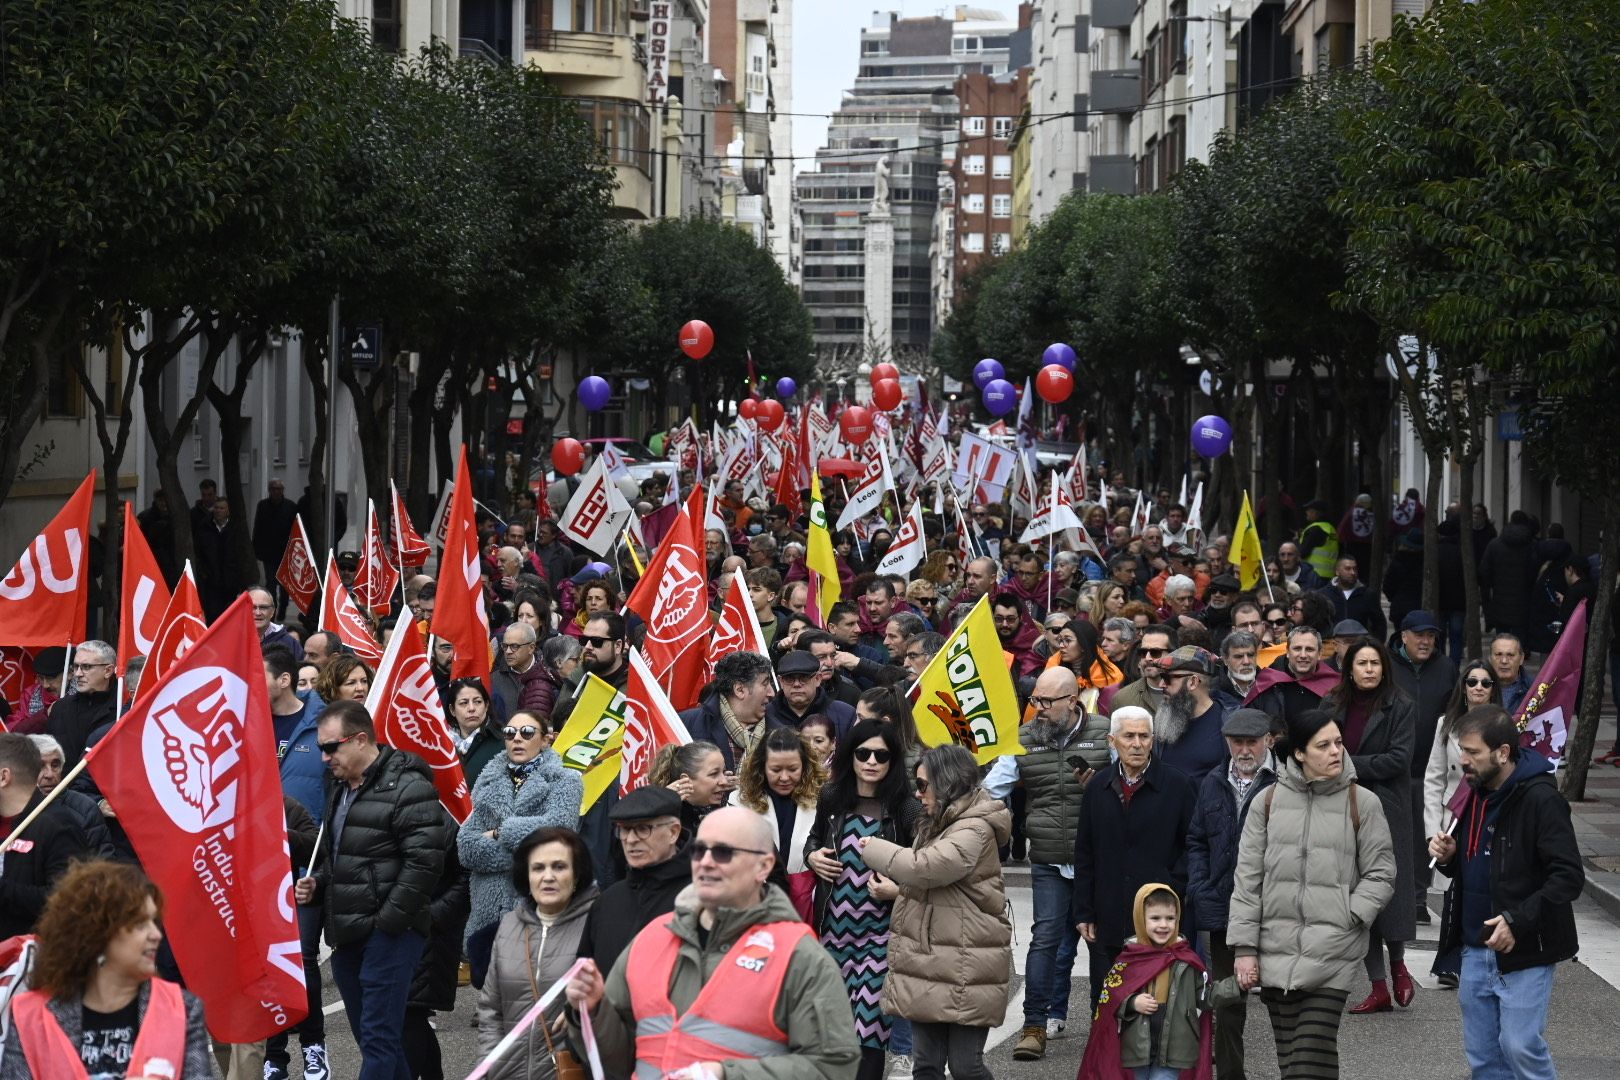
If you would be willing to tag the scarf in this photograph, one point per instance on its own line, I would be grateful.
(1137, 967)
(742, 737)
(520, 773)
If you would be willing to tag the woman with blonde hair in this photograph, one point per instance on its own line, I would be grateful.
(1107, 602)
(781, 780)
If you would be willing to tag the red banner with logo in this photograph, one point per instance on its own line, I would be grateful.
(44, 599)
(406, 547)
(377, 579)
(738, 628)
(341, 617)
(145, 594)
(191, 772)
(459, 616)
(183, 626)
(405, 705)
(672, 599)
(297, 572)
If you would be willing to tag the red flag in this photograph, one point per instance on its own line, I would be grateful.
(787, 480)
(650, 724)
(738, 629)
(672, 600)
(406, 547)
(145, 598)
(459, 616)
(405, 705)
(16, 676)
(44, 599)
(191, 772)
(1546, 711)
(376, 580)
(183, 626)
(341, 617)
(297, 572)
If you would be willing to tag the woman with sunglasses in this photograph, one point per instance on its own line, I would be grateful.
(1476, 686)
(477, 735)
(525, 789)
(868, 796)
(781, 779)
(952, 953)
(346, 678)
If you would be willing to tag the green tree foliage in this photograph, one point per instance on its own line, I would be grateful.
(1484, 191)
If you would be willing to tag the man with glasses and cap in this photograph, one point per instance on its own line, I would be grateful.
(647, 825)
(731, 976)
(803, 694)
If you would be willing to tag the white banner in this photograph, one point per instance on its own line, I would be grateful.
(598, 512)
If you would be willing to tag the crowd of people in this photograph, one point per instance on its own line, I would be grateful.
(1221, 791)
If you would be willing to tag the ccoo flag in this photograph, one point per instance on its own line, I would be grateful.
(965, 695)
(592, 741)
(1250, 559)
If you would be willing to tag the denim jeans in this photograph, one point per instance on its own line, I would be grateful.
(900, 1036)
(1504, 1018)
(312, 1028)
(374, 978)
(1155, 1072)
(1053, 941)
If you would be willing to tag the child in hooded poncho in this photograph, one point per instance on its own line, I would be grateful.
(1153, 1019)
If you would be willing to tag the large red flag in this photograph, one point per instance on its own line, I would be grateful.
(650, 724)
(738, 628)
(44, 599)
(405, 705)
(406, 547)
(1546, 711)
(297, 572)
(339, 616)
(191, 772)
(183, 626)
(146, 596)
(376, 580)
(459, 616)
(672, 600)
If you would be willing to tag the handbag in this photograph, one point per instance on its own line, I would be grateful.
(563, 1061)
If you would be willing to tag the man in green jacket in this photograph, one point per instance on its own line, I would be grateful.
(724, 928)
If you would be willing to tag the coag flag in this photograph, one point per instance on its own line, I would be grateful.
(459, 616)
(191, 772)
(820, 560)
(145, 594)
(592, 741)
(297, 572)
(405, 705)
(1250, 559)
(965, 695)
(43, 601)
(650, 724)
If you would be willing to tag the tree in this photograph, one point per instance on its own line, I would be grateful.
(1486, 185)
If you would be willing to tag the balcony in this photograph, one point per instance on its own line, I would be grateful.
(1113, 14)
(571, 56)
(1116, 91)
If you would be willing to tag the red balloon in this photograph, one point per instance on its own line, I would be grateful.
(748, 408)
(568, 456)
(696, 339)
(856, 424)
(886, 394)
(770, 414)
(884, 371)
(1054, 383)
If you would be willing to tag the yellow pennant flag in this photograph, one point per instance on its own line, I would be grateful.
(590, 742)
(820, 555)
(1251, 561)
(965, 695)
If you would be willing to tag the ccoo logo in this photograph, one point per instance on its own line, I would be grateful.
(191, 743)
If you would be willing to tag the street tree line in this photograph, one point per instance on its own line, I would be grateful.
(1453, 202)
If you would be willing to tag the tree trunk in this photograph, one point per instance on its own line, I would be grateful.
(373, 406)
(1470, 569)
(168, 440)
(1436, 458)
(1583, 736)
(113, 447)
(313, 355)
(227, 406)
(19, 425)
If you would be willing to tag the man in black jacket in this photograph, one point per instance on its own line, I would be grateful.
(75, 716)
(1515, 870)
(1428, 678)
(42, 853)
(648, 822)
(384, 849)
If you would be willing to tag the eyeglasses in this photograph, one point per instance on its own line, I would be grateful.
(527, 731)
(89, 667)
(1048, 702)
(1152, 654)
(1277, 622)
(922, 785)
(330, 748)
(913, 656)
(1483, 683)
(723, 853)
(639, 829)
(597, 642)
(513, 646)
(868, 753)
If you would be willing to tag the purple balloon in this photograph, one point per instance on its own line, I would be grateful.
(786, 387)
(1211, 436)
(1000, 396)
(601, 568)
(1058, 353)
(987, 371)
(594, 392)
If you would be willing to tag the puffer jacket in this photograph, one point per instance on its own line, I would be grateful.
(1212, 841)
(813, 1008)
(549, 798)
(950, 944)
(388, 858)
(1308, 882)
(528, 956)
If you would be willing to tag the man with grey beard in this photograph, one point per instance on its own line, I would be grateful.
(1063, 746)
(1187, 723)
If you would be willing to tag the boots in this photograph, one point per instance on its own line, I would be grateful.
(1376, 1002)
(1404, 989)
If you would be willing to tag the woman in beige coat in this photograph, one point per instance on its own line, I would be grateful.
(950, 945)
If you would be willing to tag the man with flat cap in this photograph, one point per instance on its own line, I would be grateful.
(648, 824)
(1224, 797)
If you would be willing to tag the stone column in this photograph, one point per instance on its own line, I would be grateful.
(880, 284)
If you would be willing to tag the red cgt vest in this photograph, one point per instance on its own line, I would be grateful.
(160, 1045)
(733, 1016)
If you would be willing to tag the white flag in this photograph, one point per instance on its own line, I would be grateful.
(1195, 514)
(868, 494)
(617, 467)
(1055, 516)
(598, 512)
(910, 545)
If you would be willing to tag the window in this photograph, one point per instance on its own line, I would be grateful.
(973, 204)
(1001, 206)
(1000, 243)
(622, 128)
(973, 242)
(1001, 167)
(385, 24)
(1174, 158)
(1152, 53)
(1003, 127)
(973, 125)
(1179, 29)
(973, 165)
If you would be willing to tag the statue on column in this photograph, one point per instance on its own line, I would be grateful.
(880, 186)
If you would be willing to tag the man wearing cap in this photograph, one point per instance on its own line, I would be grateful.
(1224, 798)
(1187, 723)
(647, 823)
(1181, 564)
(1345, 633)
(1427, 677)
(1353, 600)
(804, 693)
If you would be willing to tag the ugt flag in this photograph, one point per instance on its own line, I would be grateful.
(191, 772)
(44, 599)
(405, 705)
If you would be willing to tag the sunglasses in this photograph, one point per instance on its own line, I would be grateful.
(723, 853)
(330, 748)
(597, 642)
(1479, 682)
(527, 731)
(1152, 654)
(922, 785)
(867, 753)
(1276, 622)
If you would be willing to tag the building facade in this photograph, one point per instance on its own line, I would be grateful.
(989, 108)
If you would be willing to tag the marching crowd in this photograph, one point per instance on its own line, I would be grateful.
(1221, 792)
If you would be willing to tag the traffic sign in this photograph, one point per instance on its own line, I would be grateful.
(365, 346)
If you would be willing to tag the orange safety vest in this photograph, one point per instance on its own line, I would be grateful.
(160, 1045)
(733, 1016)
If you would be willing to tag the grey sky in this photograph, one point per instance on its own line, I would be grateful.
(826, 45)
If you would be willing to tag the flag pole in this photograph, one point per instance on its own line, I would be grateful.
(50, 797)
(309, 871)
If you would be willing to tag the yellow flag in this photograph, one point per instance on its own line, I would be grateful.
(820, 557)
(590, 742)
(966, 695)
(1251, 561)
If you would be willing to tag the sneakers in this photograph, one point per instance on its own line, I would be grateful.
(899, 1067)
(1031, 1044)
(1054, 1028)
(315, 1063)
(274, 1071)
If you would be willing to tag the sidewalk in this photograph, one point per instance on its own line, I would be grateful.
(1597, 824)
